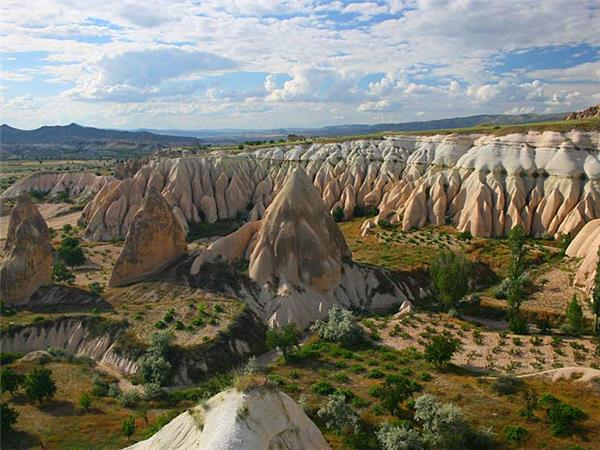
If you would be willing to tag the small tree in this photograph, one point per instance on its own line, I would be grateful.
(338, 416)
(340, 326)
(575, 316)
(440, 350)
(596, 294)
(338, 214)
(70, 252)
(10, 380)
(399, 437)
(516, 270)
(129, 427)
(450, 273)
(155, 365)
(39, 385)
(8, 417)
(285, 339)
(443, 423)
(61, 273)
(395, 390)
(85, 401)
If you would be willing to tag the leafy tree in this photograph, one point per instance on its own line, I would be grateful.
(70, 251)
(10, 380)
(285, 339)
(67, 228)
(395, 390)
(575, 316)
(596, 294)
(128, 427)
(39, 385)
(443, 425)
(8, 417)
(562, 416)
(450, 273)
(338, 214)
(340, 326)
(516, 269)
(85, 401)
(440, 349)
(155, 365)
(61, 273)
(399, 437)
(338, 416)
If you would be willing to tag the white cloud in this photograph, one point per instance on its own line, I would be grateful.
(380, 105)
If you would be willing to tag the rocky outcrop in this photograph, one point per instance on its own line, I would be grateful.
(232, 420)
(300, 262)
(77, 336)
(548, 182)
(27, 264)
(585, 246)
(588, 113)
(24, 209)
(155, 239)
(128, 168)
(75, 184)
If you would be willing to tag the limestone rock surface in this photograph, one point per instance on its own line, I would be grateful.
(585, 246)
(548, 182)
(155, 239)
(232, 421)
(28, 263)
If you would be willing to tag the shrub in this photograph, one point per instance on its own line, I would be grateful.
(399, 437)
(338, 214)
(514, 433)
(507, 385)
(338, 416)
(70, 251)
(449, 274)
(39, 385)
(85, 401)
(465, 235)
(561, 415)
(10, 380)
(443, 424)
(323, 388)
(375, 373)
(246, 383)
(96, 288)
(61, 273)
(99, 387)
(285, 339)
(395, 390)
(340, 326)
(575, 320)
(155, 366)
(128, 427)
(8, 417)
(440, 349)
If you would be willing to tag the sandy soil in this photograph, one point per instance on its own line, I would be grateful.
(493, 351)
(56, 215)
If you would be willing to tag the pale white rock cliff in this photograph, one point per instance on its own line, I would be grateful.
(549, 182)
(298, 257)
(75, 184)
(232, 420)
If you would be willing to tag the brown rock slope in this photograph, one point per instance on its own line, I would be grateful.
(586, 245)
(28, 262)
(155, 239)
(24, 209)
(299, 259)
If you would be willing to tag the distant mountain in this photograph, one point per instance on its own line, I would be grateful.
(76, 134)
(237, 135)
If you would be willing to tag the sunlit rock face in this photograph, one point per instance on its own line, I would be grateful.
(585, 246)
(299, 261)
(155, 239)
(27, 264)
(548, 182)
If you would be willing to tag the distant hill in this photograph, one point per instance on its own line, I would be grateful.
(236, 135)
(75, 134)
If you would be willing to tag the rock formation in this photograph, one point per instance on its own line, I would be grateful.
(24, 209)
(232, 420)
(299, 259)
(75, 184)
(585, 246)
(548, 182)
(155, 239)
(588, 113)
(28, 261)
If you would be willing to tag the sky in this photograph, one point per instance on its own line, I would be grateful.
(296, 63)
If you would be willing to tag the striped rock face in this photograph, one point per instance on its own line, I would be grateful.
(548, 182)
(585, 246)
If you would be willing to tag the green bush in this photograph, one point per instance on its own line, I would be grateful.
(323, 388)
(514, 433)
(561, 415)
(70, 252)
(285, 339)
(61, 273)
(338, 214)
(450, 274)
(155, 365)
(440, 349)
(8, 417)
(338, 416)
(575, 320)
(340, 326)
(39, 385)
(10, 380)
(507, 385)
